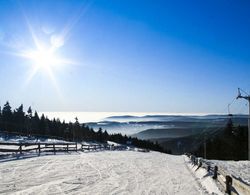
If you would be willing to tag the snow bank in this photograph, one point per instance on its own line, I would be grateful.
(20, 139)
(204, 178)
(239, 169)
(108, 172)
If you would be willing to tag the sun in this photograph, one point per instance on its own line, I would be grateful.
(44, 56)
(43, 59)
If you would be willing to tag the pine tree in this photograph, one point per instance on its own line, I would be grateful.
(100, 135)
(29, 112)
(19, 120)
(1, 121)
(7, 117)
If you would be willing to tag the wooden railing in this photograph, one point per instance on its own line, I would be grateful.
(38, 147)
(41, 147)
(229, 183)
(94, 147)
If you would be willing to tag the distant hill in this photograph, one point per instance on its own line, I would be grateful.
(180, 145)
(166, 133)
(143, 127)
(122, 117)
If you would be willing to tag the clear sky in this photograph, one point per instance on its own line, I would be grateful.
(125, 56)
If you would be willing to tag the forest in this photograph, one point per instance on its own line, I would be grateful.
(229, 144)
(18, 122)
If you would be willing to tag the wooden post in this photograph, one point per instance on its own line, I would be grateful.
(195, 160)
(54, 148)
(229, 182)
(20, 149)
(67, 147)
(39, 149)
(215, 172)
(76, 146)
(208, 168)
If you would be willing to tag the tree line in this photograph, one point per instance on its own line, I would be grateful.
(29, 123)
(229, 144)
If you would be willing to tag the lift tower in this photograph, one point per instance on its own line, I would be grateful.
(246, 97)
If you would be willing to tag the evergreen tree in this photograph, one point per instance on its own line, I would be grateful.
(42, 125)
(100, 135)
(1, 121)
(29, 112)
(7, 117)
(19, 120)
(35, 122)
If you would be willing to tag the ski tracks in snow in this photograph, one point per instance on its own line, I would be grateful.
(104, 173)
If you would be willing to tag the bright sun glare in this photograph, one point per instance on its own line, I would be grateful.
(43, 58)
(41, 52)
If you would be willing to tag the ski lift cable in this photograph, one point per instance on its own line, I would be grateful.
(229, 114)
(232, 101)
(242, 107)
(228, 106)
(223, 111)
(212, 131)
(241, 90)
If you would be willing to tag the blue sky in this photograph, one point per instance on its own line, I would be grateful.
(127, 56)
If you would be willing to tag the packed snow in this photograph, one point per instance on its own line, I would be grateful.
(105, 172)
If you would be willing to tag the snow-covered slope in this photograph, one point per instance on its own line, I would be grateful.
(110, 172)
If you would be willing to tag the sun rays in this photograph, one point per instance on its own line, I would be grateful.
(44, 48)
(44, 51)
(44, 57)
(44, 60)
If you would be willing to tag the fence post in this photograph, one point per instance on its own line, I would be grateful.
(195, 161)
(208, 168)
(39, 148)
(76, 146)
(215, 172)
(229, 182)
(67, 147)
(20, 149)
(54, 148)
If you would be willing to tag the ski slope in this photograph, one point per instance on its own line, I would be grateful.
(106, 172)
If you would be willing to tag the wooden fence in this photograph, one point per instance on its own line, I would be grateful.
(229, 183)
(39, 147)
(94, 147)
